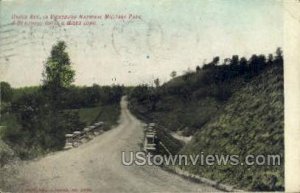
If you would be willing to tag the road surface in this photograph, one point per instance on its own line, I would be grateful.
(96, 166)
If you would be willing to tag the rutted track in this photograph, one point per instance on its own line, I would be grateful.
(97, 166)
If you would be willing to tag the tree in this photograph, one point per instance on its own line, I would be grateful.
(213, 63)
(243, 65)
(41, 114)
(234, 60)
(216, 60)
(58, 73)
(253, 64)
(279, 56)
(58, 76)
(173, 74)
(157, 82)
(261, 61)
(6, 92)
(270, 59)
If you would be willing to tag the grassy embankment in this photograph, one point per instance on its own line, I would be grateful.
(106, 113)
(250, 123)
(240, 114)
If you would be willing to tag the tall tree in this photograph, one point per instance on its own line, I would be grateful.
(270, 59)
(215, 61)
(173, 74)
(58, 76)
(279, 56)
(157, 82)
(6, 92)
(235, 60)
(243, 65)
(253, 64)
(58, 73)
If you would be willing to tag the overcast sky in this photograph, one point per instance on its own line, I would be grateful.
(171, 35)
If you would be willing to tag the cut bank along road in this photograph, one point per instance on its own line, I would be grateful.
(96, 166)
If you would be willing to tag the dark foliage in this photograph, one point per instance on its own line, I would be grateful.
(6, 92)
(233, 107)
(212, 80)
(44, 114)
(78, 97)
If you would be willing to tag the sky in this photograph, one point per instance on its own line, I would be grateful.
(168, 35)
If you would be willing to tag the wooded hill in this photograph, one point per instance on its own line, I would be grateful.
(235, 107)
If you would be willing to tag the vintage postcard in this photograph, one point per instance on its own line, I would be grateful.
(109, 96)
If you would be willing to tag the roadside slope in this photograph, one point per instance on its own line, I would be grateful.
(251, 122)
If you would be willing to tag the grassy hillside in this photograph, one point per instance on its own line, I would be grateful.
(184, 104)
(251, 123)
(107, 113)
(231, 108)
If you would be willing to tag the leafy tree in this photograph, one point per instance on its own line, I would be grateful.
(6, 92)
(140, 92)
(234, 60)
(41, 114)
(58, 73)
(279, 56)
(261, 61)
(173, 74)
(157, 82)
(243, 65)
(216, 60)
(253, 64)
(213, 63)
(270, 59)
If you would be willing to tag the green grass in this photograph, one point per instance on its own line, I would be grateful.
(251, 122)
(106, 113)
(88, 115)
(8, 121)
(109, 114)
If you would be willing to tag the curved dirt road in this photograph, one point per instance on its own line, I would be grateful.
(96, 166)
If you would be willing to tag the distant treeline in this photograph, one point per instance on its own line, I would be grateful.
(211, 77)
(39, 126)
(78, 97)
(235, 66)
(214, 76)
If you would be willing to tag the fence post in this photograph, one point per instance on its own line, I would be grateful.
(150, 136)
(69, 141)
(75, 139)
(98, 128)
